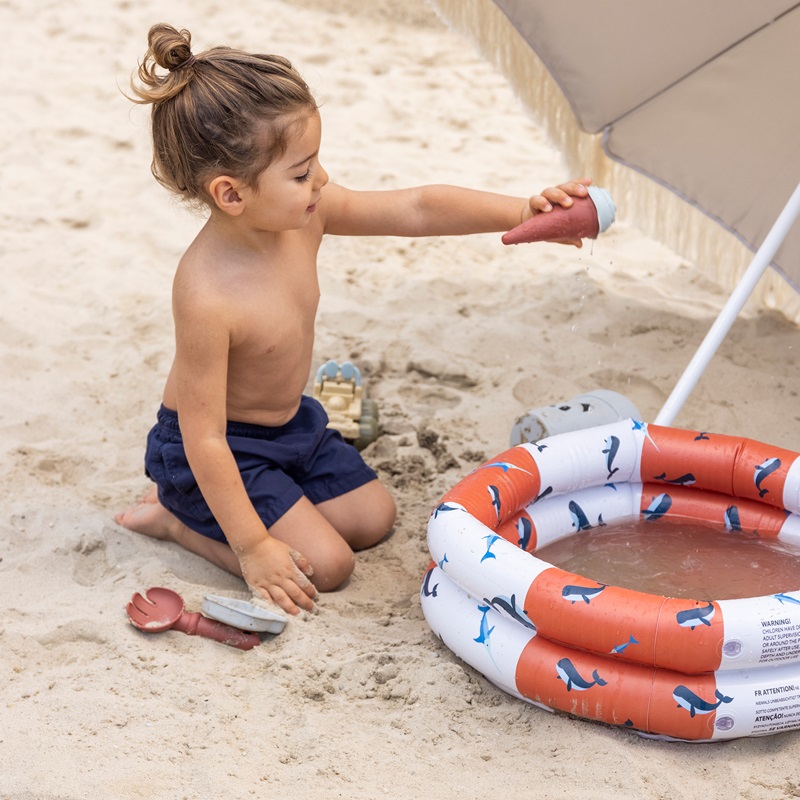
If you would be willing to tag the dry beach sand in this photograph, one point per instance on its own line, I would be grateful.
(456, 338)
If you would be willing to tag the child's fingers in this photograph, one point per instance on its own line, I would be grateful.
(303, 571)
(279, 598)
(290, 597)
(303, 564)
(300, 595)
(291, 592)
(578, 186)
(540, 204)
(305, 594)
(560, 195)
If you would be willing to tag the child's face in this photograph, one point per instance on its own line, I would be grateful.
(289, 188)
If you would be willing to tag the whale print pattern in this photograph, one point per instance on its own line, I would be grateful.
(673, 667)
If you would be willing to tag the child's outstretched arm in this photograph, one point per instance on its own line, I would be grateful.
(437, 210)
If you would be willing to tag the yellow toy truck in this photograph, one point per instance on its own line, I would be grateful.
(338, 387)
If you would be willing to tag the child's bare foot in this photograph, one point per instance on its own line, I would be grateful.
(151, 495)
(150, 518)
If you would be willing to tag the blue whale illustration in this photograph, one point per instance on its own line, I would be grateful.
(763, 471)
(566, 672)
(702, 437)
(494, 493)
(657, 508)
(546, 492)
(686, 698)
(612, 447)
(579, 519)
(693, 617)
(784, 598)
(485, 631)
(490, 540)
(509, 605)
(426, 592)
(445, 560)
(443, 507)
(525, 529)
(642, 426)
(624, 646)
(505, 466)
(685, 480)
(586, 593)
(731, 518)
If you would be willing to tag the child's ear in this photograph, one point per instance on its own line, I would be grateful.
(225, 192)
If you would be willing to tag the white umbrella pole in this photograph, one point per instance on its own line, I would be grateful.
(731, 310)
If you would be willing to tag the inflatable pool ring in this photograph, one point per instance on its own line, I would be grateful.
(694, 670)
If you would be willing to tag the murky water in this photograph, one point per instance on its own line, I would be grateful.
(679, 559)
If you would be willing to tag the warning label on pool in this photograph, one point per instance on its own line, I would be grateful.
(777, 708)
(780, 641)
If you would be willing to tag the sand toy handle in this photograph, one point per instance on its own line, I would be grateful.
(195, 623)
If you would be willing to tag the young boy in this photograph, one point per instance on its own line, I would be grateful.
(247, 474)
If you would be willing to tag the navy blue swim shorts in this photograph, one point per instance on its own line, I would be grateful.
(278, 466)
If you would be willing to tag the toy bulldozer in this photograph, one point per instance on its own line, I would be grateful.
(338, 388)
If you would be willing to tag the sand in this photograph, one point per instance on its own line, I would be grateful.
(456, 338)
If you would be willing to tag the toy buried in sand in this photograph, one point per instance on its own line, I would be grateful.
(162, 609)
(586, 218)
(242, 614)
(338, 387)
(673, 668)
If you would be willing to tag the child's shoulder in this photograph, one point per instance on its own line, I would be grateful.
(200, 279)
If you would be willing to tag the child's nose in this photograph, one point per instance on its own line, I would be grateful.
(322, 177)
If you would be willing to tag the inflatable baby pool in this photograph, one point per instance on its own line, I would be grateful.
(689, 669)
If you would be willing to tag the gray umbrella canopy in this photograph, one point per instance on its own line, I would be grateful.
(702, 97)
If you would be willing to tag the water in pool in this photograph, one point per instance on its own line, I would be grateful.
(679, 558)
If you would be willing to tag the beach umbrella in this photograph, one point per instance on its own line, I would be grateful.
(701, 97)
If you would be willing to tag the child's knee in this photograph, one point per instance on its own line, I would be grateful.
(332, 571)
(385, 513)
(376, 525)
(389, 515)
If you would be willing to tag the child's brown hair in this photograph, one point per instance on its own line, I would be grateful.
(222, 112)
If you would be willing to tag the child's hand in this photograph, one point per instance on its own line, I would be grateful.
(560, 195)
(276, 572)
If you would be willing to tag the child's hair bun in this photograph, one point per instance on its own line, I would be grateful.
(171, 48)
(222, 112)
